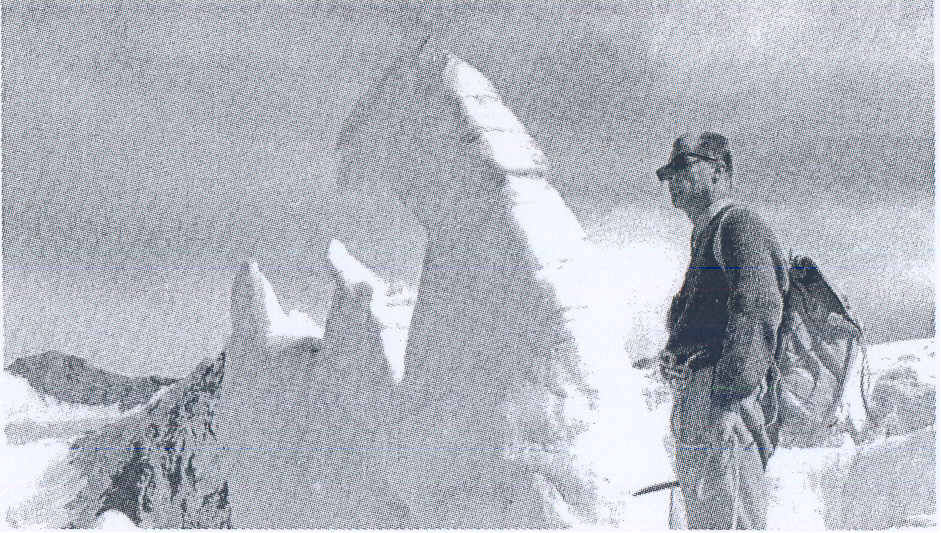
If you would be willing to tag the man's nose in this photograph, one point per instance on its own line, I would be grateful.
(664, 174)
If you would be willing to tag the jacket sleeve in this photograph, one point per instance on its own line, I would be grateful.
(751, 260)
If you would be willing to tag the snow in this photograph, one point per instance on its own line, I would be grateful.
(37, 479)
(889, 482)
(500, 395)
(504, 140)
(467, 83)
(24, 403)
(487, 113)
(114, 520)
(24, 471)
(601, 300)
(886, 483)
(901, 383)
(271, 359)
(797, 499)
(918, 353)
(530, 282)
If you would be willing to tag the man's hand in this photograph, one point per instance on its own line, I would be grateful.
(662, 360)
(668, 365)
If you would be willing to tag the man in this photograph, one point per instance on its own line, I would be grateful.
(723, 333)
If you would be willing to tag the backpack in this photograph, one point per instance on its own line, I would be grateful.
(818, 372)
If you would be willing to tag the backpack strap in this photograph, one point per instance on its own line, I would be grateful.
(713, 227)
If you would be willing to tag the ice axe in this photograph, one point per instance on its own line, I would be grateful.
(658, 486)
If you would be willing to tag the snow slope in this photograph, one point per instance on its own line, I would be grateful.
(883, 484)
(888, 482)
(38, 431)
(30, 414)
(37, 483)
(347, 482)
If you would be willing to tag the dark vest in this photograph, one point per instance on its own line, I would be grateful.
(699, 314)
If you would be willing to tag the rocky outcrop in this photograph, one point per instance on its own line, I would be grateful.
(159, 467)
(71, 379)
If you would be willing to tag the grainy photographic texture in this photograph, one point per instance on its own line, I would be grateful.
(642, 264)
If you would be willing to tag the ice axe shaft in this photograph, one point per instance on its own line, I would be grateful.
(658, 486)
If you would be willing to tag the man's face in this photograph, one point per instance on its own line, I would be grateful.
(690, 178)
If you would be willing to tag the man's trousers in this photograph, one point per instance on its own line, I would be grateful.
(718, 465)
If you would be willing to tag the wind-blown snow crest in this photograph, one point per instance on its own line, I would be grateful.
(516, 373)
(278, 323)
(595, 298)
(601, 295)
(308, 408)
(393, 311)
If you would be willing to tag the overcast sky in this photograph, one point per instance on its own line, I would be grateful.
(148, 150)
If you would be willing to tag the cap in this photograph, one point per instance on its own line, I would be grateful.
(709, 146)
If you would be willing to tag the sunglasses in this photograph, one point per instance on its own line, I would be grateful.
(681, 162)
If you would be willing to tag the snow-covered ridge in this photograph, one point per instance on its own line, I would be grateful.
(71, 379)
(28, 415)
(21, 403)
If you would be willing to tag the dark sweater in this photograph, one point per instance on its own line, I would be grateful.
(731, 301)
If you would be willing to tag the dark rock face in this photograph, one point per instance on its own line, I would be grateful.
(160, 467)
(70, 379)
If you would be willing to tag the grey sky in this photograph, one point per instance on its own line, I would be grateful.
(147, 150)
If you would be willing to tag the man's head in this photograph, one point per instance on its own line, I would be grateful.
(699, 171)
